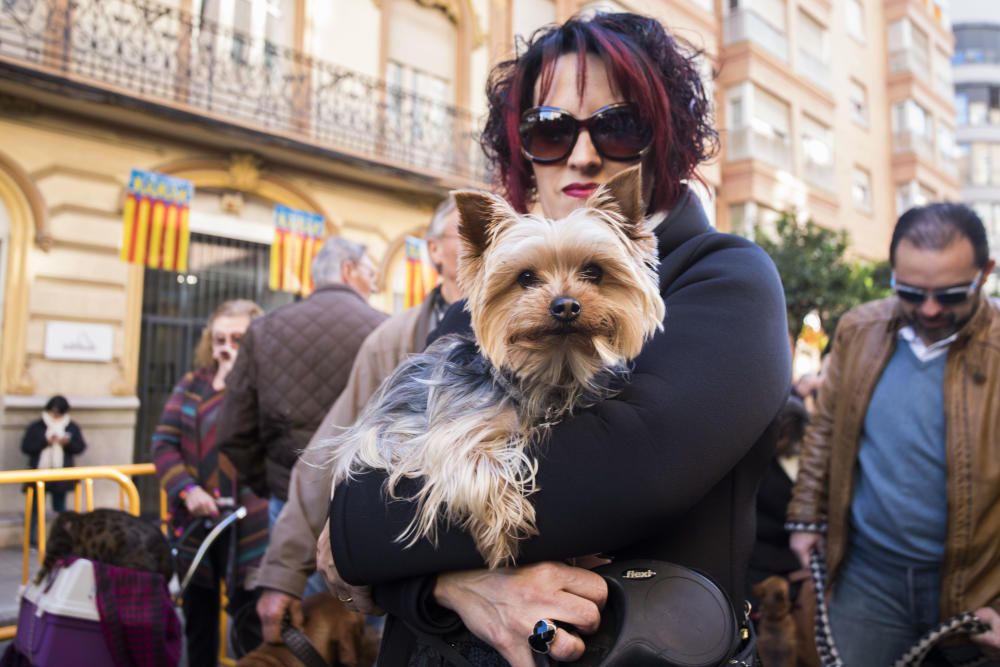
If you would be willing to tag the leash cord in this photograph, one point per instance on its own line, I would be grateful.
(965, 623)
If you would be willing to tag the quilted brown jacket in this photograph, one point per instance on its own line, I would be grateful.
(292, 366)
(865, 340)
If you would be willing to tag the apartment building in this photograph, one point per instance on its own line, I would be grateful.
(366, 112)
(977, 102)
(838, 110)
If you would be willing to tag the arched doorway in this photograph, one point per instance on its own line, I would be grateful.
(231, 232)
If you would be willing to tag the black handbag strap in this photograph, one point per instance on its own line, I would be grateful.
(447, 651)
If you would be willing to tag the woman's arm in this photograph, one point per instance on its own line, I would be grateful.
(34, 440)
(76, 443)
(167, 456)
(701, 394)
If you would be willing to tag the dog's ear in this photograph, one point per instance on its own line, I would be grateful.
(623, 195)
(479, 213)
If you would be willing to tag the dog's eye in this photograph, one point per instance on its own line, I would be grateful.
(592, 273)
(527, 279)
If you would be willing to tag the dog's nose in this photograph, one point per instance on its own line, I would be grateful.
(564, 308)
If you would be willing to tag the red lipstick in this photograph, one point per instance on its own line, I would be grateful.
(580, 190)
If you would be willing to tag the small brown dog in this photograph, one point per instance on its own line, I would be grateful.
(340, 636)
(777, 643)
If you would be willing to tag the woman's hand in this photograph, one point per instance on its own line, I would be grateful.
(502, 606)
(355, 598)
(200, 503)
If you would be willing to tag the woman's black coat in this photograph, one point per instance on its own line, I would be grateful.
(34, 442)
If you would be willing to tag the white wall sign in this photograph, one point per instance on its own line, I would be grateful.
(74, 341)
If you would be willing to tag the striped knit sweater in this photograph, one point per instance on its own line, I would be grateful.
(185, 453)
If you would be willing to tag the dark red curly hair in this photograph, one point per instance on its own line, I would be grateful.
(644, 61)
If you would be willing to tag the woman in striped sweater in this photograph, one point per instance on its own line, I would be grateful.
(199, 481)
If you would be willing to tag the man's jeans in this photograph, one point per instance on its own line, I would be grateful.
(878, 611)
(315, 583)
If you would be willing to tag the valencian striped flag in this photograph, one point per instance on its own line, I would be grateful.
(420, 275)
(155, 222)
(298, 236)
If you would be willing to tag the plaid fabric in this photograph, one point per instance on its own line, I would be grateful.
(138, 621)
(14, 658)
(184, 453)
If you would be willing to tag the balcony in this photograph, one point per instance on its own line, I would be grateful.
(744, 143)
(746, 25)
(911, 142)
(814, 69)
(137, 51)
(819, 175)
(911, 61)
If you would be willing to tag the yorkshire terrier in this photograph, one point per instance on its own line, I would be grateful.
(558, 309)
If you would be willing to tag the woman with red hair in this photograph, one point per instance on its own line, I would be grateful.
(668, 467)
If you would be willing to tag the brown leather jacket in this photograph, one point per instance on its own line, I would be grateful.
(865, 340)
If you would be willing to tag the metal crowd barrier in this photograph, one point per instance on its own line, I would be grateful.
(83, 500)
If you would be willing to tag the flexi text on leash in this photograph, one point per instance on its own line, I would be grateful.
(965, 623)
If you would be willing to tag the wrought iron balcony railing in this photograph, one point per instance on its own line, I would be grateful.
(161, 55)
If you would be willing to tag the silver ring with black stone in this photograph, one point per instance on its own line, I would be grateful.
(542, 635)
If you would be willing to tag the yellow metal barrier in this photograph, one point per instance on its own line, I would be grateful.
(35, 480)
(128, 496)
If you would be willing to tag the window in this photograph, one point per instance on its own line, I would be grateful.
(858, 101)
(861, 190)
(757, 126)
(856, 19)
(946, 143)
(961, 107)
(909, 48)
(913, 194)
(814, 57)
(978, 104)
(910, 118)
(942, 72)
(984, 162)
(817, 153)
(734, 110)
(975, 43)
(261, 29)
(812, 37)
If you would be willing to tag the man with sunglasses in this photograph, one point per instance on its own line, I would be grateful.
(902, 458)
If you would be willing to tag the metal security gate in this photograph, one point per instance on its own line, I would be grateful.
(175, 309)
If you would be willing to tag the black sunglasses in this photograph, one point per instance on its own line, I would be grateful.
(548, 134)
(947, 296)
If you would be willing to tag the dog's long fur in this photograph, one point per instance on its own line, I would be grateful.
(453, 426)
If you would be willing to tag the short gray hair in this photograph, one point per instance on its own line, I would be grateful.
(439, 220)
(328, 265)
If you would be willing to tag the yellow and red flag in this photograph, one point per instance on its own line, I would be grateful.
(155, 222)
(420, 274)
(298, 236)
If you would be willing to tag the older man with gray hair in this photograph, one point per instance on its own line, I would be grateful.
(293, 364)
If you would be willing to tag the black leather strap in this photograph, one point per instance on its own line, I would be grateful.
(447, 651)
(301, 647)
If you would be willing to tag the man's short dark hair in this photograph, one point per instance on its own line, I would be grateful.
(936, 226)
